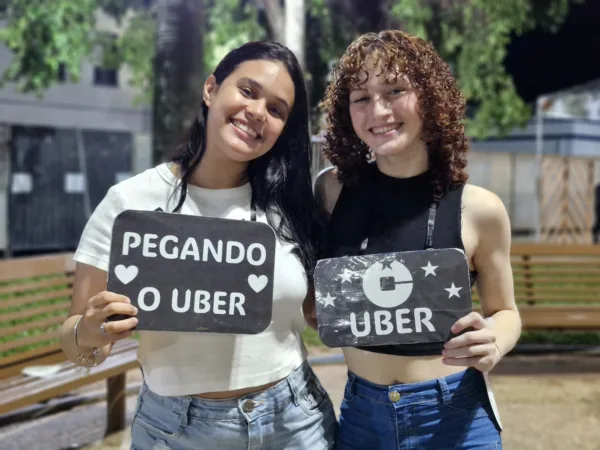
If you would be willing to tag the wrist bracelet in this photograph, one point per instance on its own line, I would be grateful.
(85, 360)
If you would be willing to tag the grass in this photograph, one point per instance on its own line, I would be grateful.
(311, 338)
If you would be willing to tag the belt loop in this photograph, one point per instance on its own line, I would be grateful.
(446, 397)
(293, 383)
(185, 410)
(351, 384)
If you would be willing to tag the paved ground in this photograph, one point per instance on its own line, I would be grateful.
(556, 411)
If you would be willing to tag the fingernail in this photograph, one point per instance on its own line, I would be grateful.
(128, 300)
(135, 310)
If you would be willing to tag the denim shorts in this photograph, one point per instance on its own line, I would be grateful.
(445, 413)
(295, 414)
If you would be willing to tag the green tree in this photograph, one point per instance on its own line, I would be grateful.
(178, 72)
(473, 35)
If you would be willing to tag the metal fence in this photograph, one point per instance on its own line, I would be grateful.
(58, 177)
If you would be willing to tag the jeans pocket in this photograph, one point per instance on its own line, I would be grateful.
(155, 418)
(313, 397)
(349, 396)
(471, 402)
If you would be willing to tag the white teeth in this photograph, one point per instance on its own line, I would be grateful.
(245, 128)
(385, 129)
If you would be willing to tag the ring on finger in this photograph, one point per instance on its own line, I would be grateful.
(102, 329)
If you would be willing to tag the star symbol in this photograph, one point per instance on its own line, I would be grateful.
(329, 300)
(387, 264)
(346, 276)
(453, 290)
(429, 269)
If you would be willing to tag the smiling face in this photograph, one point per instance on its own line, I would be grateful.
(384, 115)
(248, 111)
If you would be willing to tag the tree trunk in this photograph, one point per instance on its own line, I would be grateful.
(177, 72)
(275, 18)
(295, 17)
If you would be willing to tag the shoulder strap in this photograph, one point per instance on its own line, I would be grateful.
(430, 226)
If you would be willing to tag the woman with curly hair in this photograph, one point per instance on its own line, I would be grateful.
(393, 100)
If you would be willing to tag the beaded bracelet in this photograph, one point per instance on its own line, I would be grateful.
(85, 360)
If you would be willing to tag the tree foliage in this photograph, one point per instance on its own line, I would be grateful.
(230, 24)
(43, 35)
(472, 35)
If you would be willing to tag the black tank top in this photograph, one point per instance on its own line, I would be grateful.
(387, 214)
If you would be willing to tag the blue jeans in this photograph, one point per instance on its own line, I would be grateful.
(446, 413)
(295, 414)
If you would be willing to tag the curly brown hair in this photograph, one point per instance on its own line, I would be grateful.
(441, 106)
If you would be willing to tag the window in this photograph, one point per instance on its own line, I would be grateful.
(62, 73)
(105, 72)
(105, 77)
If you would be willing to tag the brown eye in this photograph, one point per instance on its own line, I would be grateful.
(360, 100)
(246, 92)
(276, 112)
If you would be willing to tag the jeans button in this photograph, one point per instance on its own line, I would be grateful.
(394, 396)
(248, 406)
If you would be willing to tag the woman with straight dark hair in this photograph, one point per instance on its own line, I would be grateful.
(247, 158)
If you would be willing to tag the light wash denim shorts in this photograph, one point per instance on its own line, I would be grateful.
(295, 414)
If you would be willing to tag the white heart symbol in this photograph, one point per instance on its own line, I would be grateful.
(126, 274)
(257, 283)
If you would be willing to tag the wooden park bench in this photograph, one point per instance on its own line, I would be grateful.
(557, 287)
(35, 294)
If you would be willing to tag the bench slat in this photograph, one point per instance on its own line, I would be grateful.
(35, 266)
(72, 378)
(26, 300)
(560, 295)
(555, 249)
(44, 323)
(41, 284)
(541, 280)
(558, 272)
(10, 345)
(521, 265)
(31, 312)
(565, 317)
(7, 362)
(17, 378)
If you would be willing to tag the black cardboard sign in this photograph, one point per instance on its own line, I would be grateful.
(391, 298)
(190, 273)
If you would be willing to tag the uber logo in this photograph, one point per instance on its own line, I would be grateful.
(392, 298)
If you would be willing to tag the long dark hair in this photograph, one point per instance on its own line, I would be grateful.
(281, 180)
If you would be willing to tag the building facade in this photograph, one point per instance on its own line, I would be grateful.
(60, 154)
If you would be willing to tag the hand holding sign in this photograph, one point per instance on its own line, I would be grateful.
(189, 273)
(100, 308)
(476, 348)
(393, 298)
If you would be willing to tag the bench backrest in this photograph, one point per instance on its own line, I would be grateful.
(35, 292)
(557, 274)
(35, 295)
(558, 277)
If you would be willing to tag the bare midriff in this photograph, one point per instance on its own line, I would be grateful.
(386, 369)
(237, 393)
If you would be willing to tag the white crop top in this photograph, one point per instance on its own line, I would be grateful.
(194, 363)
